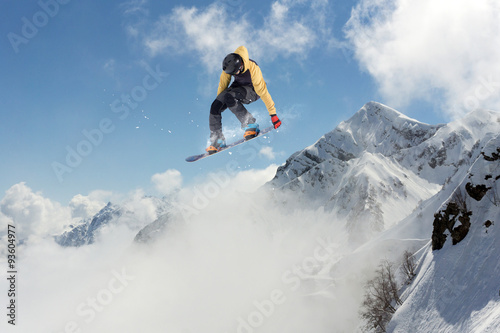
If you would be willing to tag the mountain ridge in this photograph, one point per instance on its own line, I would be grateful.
(380, 142)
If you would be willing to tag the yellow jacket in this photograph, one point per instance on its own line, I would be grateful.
(258, 82)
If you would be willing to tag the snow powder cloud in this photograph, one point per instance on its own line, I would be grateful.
(235, 264)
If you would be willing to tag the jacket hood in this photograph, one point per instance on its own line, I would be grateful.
(243, 53)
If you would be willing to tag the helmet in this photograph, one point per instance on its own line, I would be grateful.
(232, 63)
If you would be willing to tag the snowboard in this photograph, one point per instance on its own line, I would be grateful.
(195, 158)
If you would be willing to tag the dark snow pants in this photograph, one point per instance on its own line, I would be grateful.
(232, 98)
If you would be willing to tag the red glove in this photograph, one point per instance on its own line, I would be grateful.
(276, 121)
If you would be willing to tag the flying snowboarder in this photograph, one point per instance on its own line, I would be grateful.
(247, 87)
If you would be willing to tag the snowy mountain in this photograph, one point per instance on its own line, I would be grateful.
(88, 229)
(153, 230)
(86, 232)
(374, 169)
(397, 183)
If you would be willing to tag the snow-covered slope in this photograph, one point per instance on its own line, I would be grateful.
(457, 287)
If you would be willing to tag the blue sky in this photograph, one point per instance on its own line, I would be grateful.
(102, 96)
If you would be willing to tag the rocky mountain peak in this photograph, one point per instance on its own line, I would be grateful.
(375, 168)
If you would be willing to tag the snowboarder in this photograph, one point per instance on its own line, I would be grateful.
(247, 87)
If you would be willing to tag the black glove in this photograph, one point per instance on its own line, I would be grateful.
(276, 121)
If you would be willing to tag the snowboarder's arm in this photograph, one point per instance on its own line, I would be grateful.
(261, 88)
(225, 79)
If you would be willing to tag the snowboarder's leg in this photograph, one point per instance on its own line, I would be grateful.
(217, 140)
(234, 99)
(215, 118)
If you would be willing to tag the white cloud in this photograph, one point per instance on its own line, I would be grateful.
(267, 152)
(214, 272)
(35, 216)
(168, 181)
(432, 50)
(31, 213)
(286, 34)
(85, 206)
(134, 7)
(206, 32)
(103, 196)
(291, 28)
(5, 221)
(139, 210)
